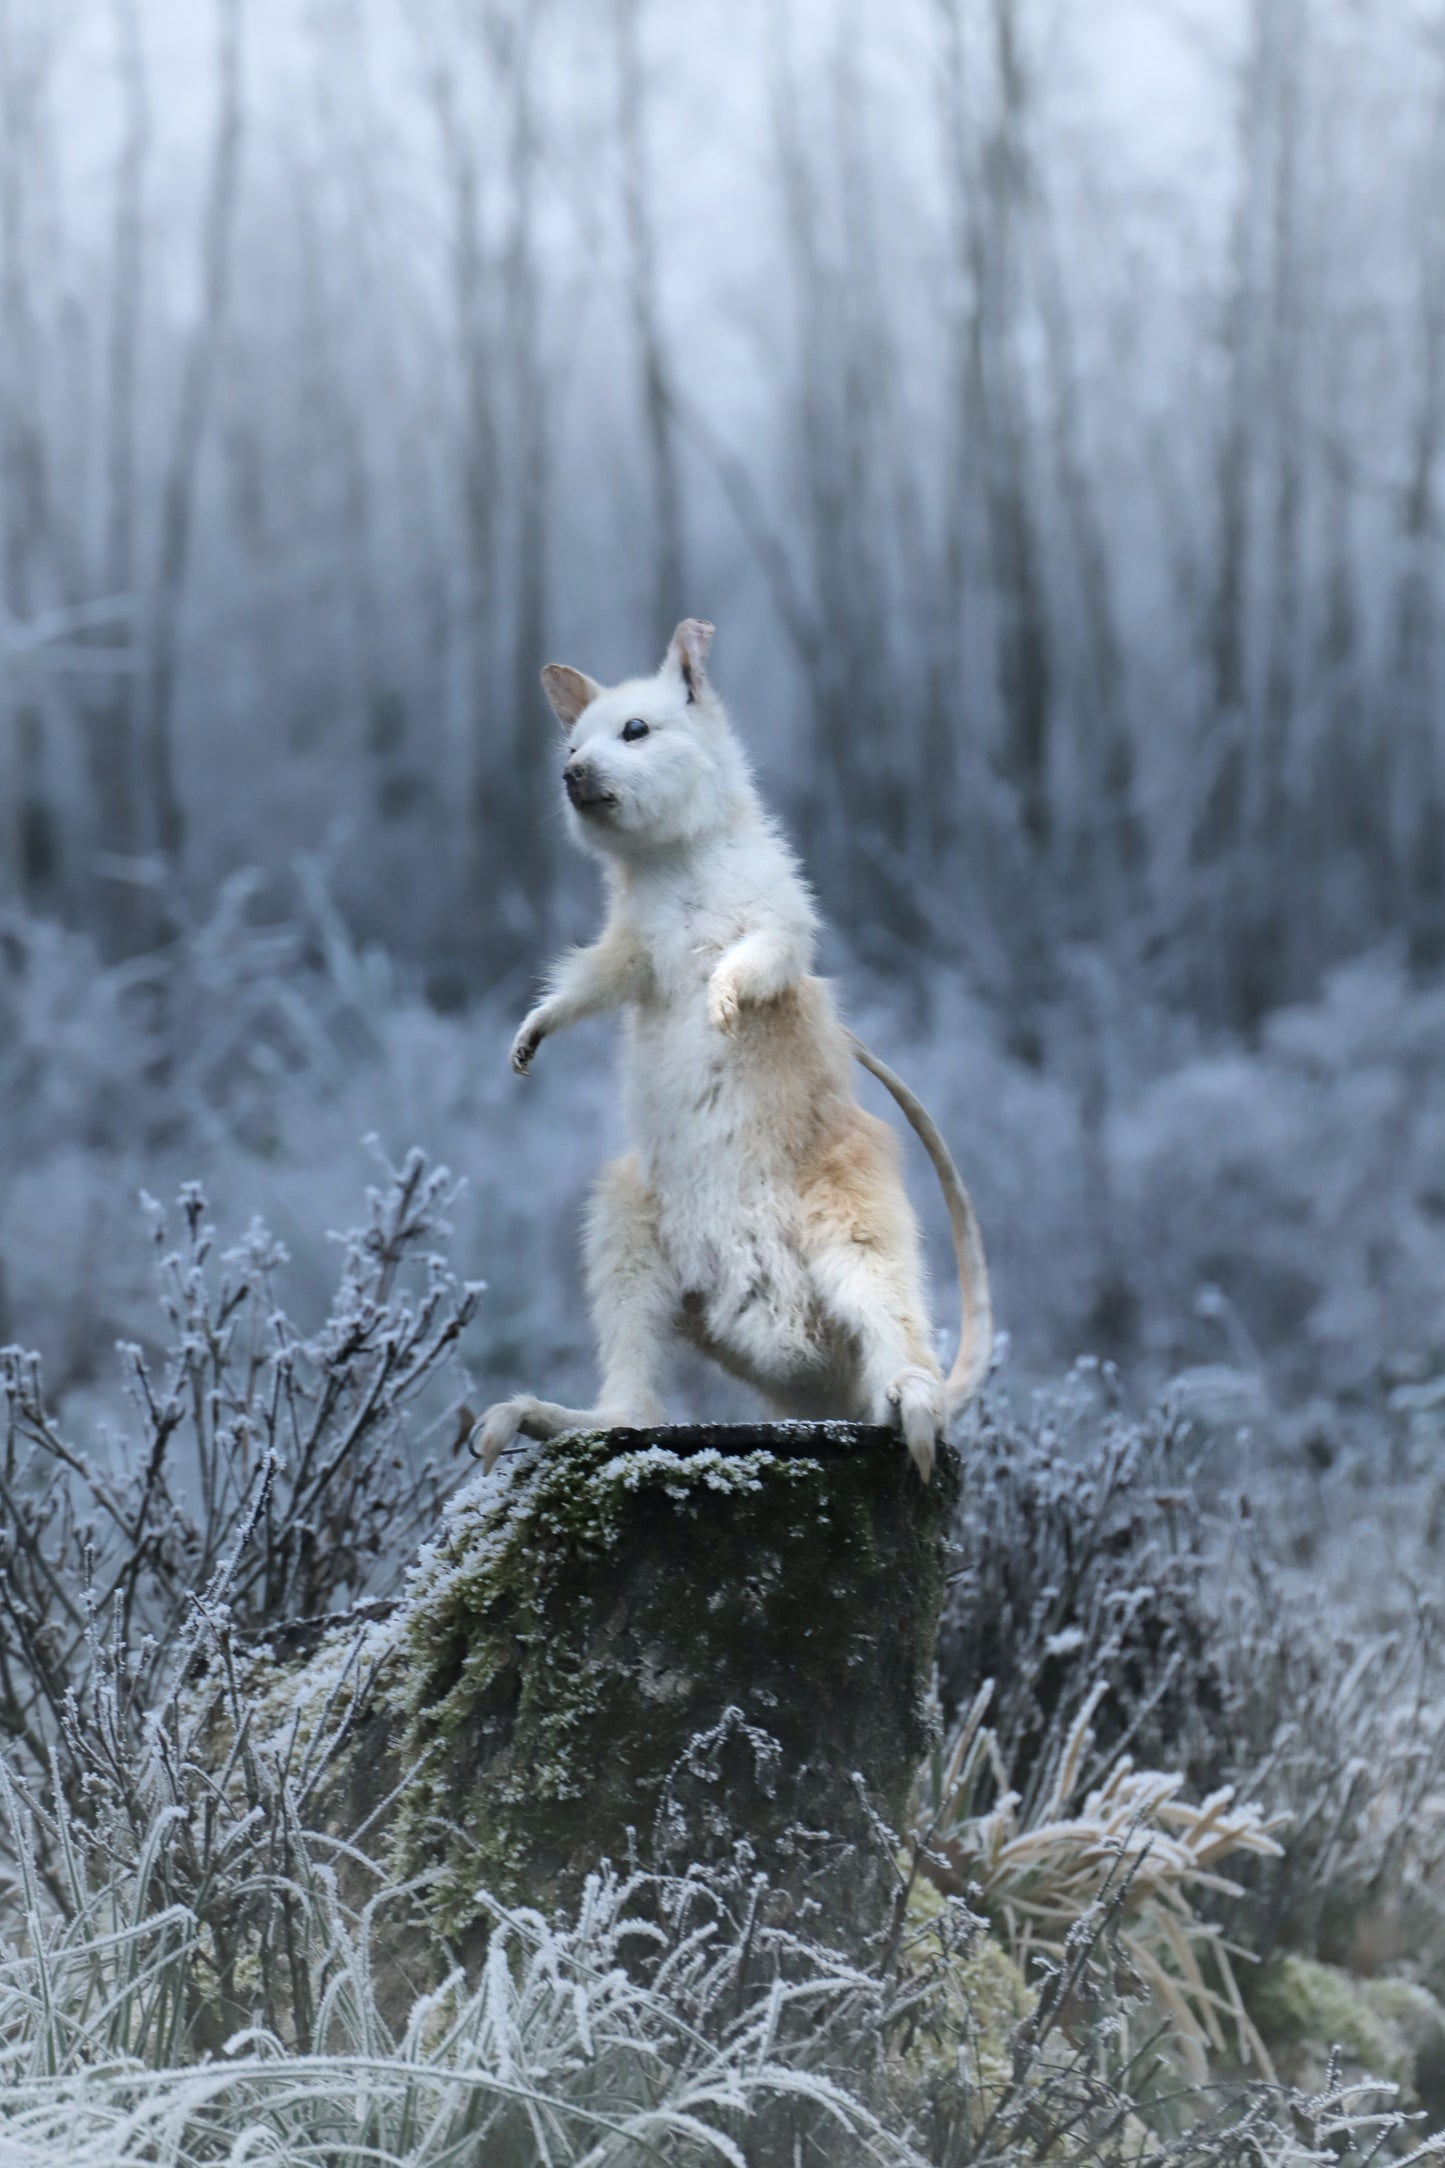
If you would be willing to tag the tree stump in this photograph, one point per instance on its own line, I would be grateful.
(659, 1645)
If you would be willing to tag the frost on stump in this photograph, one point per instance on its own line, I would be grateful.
(667, 1643)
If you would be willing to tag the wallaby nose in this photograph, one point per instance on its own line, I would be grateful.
(585, 789)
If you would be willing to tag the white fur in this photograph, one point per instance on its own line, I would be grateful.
(761, 1212)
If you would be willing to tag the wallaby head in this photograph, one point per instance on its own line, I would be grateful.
(651, 764)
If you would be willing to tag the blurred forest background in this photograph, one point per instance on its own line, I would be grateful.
(1047, 404)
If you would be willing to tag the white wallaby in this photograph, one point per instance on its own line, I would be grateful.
(761, 1212)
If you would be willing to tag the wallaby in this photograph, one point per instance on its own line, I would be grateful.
(761, 1212)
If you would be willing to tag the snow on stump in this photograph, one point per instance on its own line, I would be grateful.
(657, 1644)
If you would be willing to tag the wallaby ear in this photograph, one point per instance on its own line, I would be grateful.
(570, 691)
(687, 651)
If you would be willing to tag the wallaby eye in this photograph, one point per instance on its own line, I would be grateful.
(634, 730)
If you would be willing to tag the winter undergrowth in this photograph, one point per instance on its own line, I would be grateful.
(196, 1964)
(1212, 1731)
(1269, 1214)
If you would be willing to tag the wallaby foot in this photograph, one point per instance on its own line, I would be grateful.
(916, 1399)
(524, 1416)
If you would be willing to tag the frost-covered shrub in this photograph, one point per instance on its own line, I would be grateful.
(1094, 1569)
(269, 1474)
(1146, 1191)
(197, 1962)
(1077, 1574)
(664, 2019)
(1172, 1197)
(1088, 2082)
(1126, 1838)
(1300, 1176)
(1343, 1731)
(196, 1041)
(197, 1056)
(258, 1055)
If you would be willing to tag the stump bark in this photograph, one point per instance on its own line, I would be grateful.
(658, 1645)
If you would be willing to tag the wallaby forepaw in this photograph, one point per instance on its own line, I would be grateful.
(723, 1002)
(524, 1047)
(916, 1399)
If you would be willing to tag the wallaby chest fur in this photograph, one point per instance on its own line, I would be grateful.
(720, 1118)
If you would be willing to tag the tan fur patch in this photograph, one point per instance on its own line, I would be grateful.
(851, 1186)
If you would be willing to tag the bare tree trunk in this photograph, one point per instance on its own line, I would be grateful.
(892, 671)
(823, 503)
(127, 285)
(336, 430)
(479, 460)
(669, 582)
(1113, 851)
(1286, 404)
(528, 865)
(866, 687)
(997, 229)
(1414, 784)
(24, 475)
(192, 410)
(949, 724)
(1342, 837)
(1234, 884)
(1226, 763)
(1226, 617)
(109, 712)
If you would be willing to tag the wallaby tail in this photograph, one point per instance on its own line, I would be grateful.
(975, 1333)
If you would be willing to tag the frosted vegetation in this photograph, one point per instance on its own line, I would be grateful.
(1265, 1216)
(1182, 1768)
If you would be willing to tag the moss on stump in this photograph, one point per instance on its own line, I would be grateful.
(665, 1643)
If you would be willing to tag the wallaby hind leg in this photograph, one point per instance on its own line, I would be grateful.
(863, 1258)
(633, 1298)
(898, 1381)
(632, 1292)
